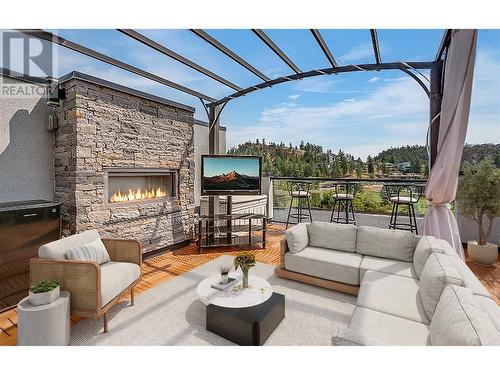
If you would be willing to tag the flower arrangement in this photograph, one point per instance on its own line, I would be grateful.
(245, 261)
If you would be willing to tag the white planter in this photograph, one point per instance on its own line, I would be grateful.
(44, 298)
(484, 255)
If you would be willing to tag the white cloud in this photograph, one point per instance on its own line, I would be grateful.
(374, 79)
(294, 97)
(360, 51)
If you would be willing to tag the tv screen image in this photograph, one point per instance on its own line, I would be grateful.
(230, 175)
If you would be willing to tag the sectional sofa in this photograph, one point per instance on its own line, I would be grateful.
(411, 290)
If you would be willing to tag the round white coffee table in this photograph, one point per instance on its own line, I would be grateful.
(235, 296)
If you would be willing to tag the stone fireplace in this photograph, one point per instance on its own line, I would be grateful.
(124, 163)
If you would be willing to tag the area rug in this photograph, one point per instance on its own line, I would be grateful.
(171, 314)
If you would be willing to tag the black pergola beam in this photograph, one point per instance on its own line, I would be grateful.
(168, 52)
(44, 35)
(376, 46)
(324, 47)
(226, 51)
(340, 69)
(268, 41)
(445, 42)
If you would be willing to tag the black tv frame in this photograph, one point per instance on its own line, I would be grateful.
(230, 192)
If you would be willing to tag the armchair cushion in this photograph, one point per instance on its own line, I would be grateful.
(115, 278)
(94, 251)
(56, 250)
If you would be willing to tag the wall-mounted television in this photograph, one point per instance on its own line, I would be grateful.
(230, 175)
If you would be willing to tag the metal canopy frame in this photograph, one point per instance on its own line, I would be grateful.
(214, 107)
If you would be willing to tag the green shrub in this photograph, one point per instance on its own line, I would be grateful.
(44, 286)
(315, 199)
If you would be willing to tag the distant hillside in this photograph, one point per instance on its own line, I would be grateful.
(310, 160)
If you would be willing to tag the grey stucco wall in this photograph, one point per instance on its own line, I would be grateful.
(201, 147)
(26, 148)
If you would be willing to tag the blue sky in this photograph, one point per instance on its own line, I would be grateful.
(361, 112)
(218, 166)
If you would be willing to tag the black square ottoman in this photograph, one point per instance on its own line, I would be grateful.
(249, 325)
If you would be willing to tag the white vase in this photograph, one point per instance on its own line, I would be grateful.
(484, 255)
(224, 278)
(44, 298)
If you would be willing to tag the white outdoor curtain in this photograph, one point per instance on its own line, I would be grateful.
(443, 177)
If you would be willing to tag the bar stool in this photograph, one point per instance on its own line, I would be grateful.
(343, 201)
(300, 192)
(407, 196)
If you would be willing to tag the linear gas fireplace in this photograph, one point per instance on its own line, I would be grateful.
(130, 185)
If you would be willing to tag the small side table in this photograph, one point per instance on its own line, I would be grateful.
(44, 324)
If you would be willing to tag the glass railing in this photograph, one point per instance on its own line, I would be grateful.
(370, 196)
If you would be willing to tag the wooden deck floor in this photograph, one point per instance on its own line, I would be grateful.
(163, 267)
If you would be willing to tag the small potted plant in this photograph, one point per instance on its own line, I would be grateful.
(224, 273)
(478, 196)
(44, 292)
(245, 261)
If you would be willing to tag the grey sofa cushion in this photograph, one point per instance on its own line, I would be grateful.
(94, 251)
(333, 236)
(425, 247)
(386, 243)
(387, 328)
(327, 264)
(56, 250)
(348, 337)
(491, 308)
(470, 280)
(297, 238)
(390, 266)
(115, 278)
(437, 273)
(460, 320)
(391, 294)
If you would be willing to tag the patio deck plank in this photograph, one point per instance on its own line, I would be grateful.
(163, 267)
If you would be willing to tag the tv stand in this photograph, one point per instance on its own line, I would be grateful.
(213, 233)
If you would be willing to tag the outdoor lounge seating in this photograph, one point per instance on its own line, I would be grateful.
(94, 288)
(412, 290)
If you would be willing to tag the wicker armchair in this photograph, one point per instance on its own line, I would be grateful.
(94, 288)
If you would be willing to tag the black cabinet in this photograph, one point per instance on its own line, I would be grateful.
(24, 227)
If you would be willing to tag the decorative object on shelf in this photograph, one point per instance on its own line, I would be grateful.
(224, 273)
(44, 292)
(245, 261)
(478, 196)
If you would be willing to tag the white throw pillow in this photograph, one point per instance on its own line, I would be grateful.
(297, 238)
(333, 236)
(94, 251)
(438, 272)
(459, 319)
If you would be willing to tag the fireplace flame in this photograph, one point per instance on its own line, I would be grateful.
(138, 194)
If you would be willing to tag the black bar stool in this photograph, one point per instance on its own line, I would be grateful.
(406, 195)
(343, 195)
(300, 192)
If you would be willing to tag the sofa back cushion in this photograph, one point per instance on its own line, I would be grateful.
(438, 272)
(386, 243)
(94, 251)
(297, 238)
(470, 280)
(333, 236)
(460, 320)
(57, 250)
(425, 247)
